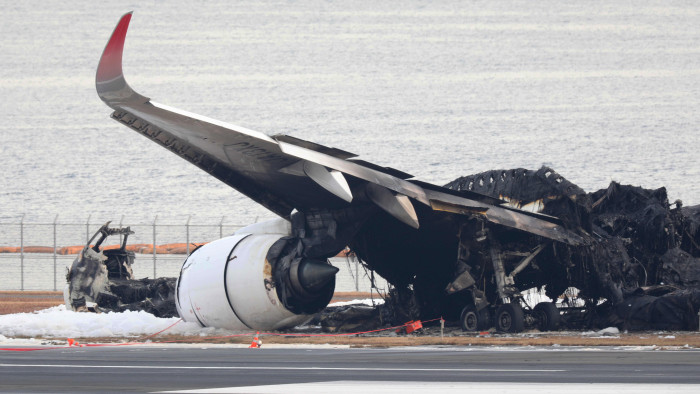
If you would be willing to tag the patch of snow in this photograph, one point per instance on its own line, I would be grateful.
(609, 331)
(57, 322)
(606, 332)
(367, 301)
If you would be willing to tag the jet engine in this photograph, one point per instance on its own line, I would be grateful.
(230, 283)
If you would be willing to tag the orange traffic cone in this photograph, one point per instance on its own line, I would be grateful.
(70, 342)
(257, 343)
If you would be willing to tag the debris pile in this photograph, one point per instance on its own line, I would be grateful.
(349, 318)
(102, 280)
(636, 241)
(661, 241)
(637, 268)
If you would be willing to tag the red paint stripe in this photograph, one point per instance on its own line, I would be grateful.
(29, 349)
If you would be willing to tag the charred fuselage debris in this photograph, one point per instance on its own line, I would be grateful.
(640, 256)
(349, 318)
(102, 280)
(635, 239)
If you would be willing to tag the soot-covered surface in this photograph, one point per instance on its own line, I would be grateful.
(636, 240)
(104, 277)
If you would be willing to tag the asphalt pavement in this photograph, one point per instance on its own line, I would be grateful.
(204, 368)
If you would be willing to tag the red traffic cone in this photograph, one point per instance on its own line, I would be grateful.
(257, 343)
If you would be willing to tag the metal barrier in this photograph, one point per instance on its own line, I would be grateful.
(29, 271)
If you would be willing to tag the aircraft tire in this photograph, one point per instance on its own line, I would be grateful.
(510, 318)
(547, 316)
(473, 320)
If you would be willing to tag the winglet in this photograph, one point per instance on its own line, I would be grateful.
(109, 80)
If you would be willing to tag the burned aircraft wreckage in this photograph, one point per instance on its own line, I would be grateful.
(464, 251)
(101, 279)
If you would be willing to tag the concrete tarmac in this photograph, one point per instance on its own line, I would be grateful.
(203, 368)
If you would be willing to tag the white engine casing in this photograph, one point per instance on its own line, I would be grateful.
(228, 284)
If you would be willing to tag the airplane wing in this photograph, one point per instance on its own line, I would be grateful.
(284, 173)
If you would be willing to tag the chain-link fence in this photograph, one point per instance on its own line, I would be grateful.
(31, 252)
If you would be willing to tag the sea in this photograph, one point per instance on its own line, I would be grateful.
(600, 91)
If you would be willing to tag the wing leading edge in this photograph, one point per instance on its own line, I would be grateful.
(283, 173)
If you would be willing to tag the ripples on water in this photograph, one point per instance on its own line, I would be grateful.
(599, 91)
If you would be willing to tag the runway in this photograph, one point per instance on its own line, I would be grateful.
(204, 368)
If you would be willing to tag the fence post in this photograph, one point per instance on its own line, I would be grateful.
(154, 246)
(221, 227)
(120, 226)
(357, 274)
(187, 232)
(87, 229)
(54, 251)
(21, 252)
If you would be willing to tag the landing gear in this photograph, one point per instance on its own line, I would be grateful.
(473, 320)
(510, 318)
(547, 316)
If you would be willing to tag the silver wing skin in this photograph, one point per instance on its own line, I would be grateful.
(284, 173)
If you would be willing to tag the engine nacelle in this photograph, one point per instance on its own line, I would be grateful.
(229, 283)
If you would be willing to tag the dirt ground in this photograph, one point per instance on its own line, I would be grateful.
(655, 340)
(29, 301)
(471, 340)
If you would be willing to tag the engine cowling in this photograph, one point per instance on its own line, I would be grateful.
(229, 283)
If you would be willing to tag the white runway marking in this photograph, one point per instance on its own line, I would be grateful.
(343, 387)
(271, 368)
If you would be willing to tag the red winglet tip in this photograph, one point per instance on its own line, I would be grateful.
(111, 62)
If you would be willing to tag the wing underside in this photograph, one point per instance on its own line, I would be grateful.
(284, 173)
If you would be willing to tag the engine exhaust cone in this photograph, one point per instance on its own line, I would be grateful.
(314, 274)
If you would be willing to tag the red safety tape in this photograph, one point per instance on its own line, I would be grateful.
(163, 330)
(208, 338)
(342, 334)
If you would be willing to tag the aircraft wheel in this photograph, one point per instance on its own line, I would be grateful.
(473, 320)
(510, 318)
(547, 316)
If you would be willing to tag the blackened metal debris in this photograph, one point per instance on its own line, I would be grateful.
(639, 267)
(636, 239)
(350, 318)
(102, 280)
